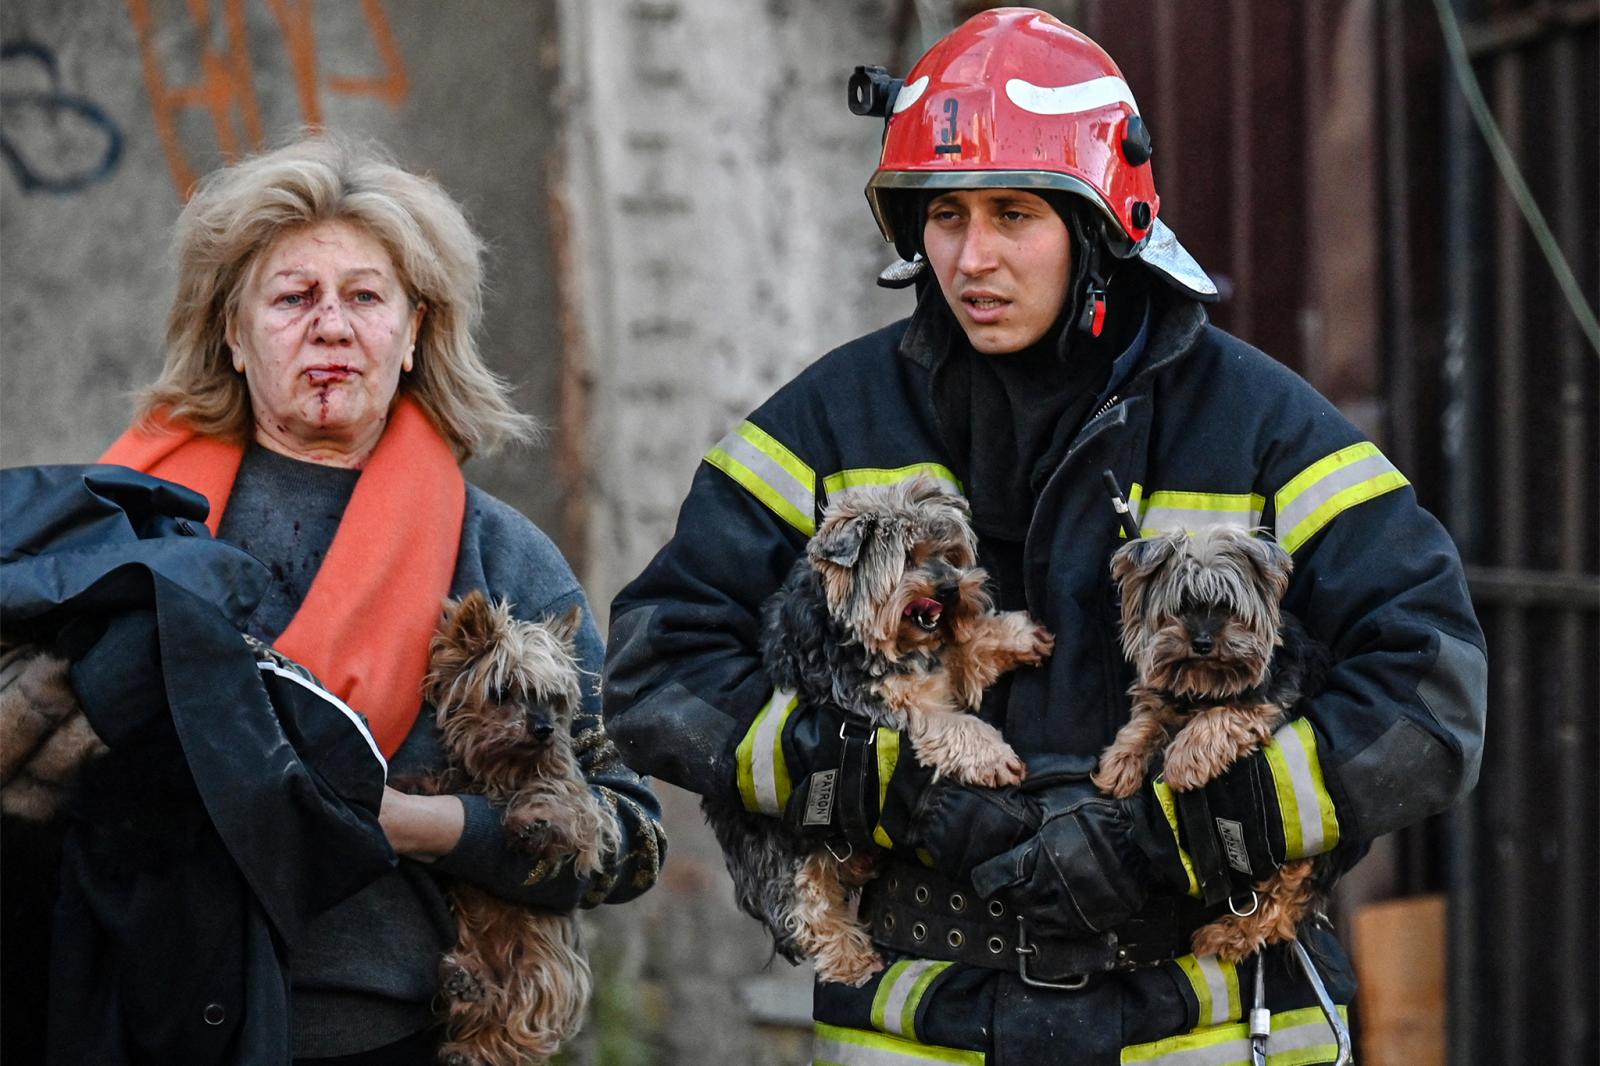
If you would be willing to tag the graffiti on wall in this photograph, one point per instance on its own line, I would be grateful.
(224, 90)
(52, 140)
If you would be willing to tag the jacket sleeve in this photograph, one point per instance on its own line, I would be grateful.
(684, 687)
(482, 856)
(1396, 733)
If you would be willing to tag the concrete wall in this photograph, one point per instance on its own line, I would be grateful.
(723, 242)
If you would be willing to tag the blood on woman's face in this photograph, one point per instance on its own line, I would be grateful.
(322, 333)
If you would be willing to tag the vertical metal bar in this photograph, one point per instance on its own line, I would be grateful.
(1167, 135)
(1243, 165)
(1574, 905)
(1401, 418)
(1511, 311)
(1463, 221)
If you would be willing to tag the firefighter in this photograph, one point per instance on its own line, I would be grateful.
(1059, 332)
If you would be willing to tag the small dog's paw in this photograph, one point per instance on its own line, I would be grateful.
(1186, 767)
(852, 963)
(1008, 770)
(532, 837)
(454, 1055)
(460, 984)
(1229, 940)
(1041, 643)
(1119, 775)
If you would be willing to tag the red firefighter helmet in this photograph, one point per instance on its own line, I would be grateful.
(1014, 98)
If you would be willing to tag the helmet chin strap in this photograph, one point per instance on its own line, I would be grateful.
(1088, 277)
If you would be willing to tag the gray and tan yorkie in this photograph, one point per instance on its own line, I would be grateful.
(885, 616)
(1220, 667)
(517, 983)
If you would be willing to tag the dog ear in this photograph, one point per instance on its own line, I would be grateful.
(1272, 564)
(469, 623)
(840, 543)
(1143, 557)
(565, 629)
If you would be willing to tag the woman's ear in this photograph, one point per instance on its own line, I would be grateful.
(410, 359)
(230, 337)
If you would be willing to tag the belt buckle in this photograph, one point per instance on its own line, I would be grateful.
(1075, 983)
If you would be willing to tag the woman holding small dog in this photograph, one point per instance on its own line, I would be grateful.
(322, 387)
(1059, 333)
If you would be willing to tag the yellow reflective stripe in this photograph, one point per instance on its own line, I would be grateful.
(1215, 982)
(1310, 826)
(770, 472)
(887, 744)
(833, 484)
(894, 1005)
(1169, 807)
(835, 1045)
(1299, 1038)
(1135, 497)
(1167, 510)
(764, 784)
(1330, 486)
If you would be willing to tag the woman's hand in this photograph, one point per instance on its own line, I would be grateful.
(421, 827)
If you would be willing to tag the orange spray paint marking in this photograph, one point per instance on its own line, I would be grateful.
(225, 87)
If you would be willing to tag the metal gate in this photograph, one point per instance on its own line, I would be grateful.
(1320, 155)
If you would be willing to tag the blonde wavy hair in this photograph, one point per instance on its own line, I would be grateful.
(239, 211)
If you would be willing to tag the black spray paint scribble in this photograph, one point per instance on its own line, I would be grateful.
(53, 141)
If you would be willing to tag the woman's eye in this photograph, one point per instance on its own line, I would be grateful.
(366, 296)
(292, 299)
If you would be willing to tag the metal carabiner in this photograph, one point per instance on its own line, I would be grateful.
(1260, 1016)
(1255, 905)
(1341, 1031)
(1076, 983)
(849, 850)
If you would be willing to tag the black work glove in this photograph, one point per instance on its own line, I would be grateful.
(1231, 829)
(1090, 865)
(850, 779)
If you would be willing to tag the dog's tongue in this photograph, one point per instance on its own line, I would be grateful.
(924, 609)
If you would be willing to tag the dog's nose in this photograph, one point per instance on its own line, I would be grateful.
(947, 595)
(541, 727)
(1202, 643)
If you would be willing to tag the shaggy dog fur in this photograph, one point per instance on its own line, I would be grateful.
(517, 983)
(44, 737)
(1220, 667)
(885, 616)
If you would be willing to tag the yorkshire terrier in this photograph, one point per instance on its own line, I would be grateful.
(1220, 667)
(885, 616)
(517, 983)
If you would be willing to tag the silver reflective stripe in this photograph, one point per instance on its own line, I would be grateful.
(1167, 512)
(770, 472)
(1219, 988)
(1289, 753)
(763, 758)
(1320, 493)
(1299, 1037)
(896, 990)
(835, 1045)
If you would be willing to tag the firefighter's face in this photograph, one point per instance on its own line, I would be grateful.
(1003, 258)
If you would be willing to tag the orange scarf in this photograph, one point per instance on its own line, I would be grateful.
(365, 624)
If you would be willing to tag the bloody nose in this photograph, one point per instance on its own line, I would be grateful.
(1202, 643)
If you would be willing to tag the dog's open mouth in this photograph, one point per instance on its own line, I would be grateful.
(925, 613)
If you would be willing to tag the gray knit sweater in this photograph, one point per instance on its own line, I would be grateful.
(367, 970)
